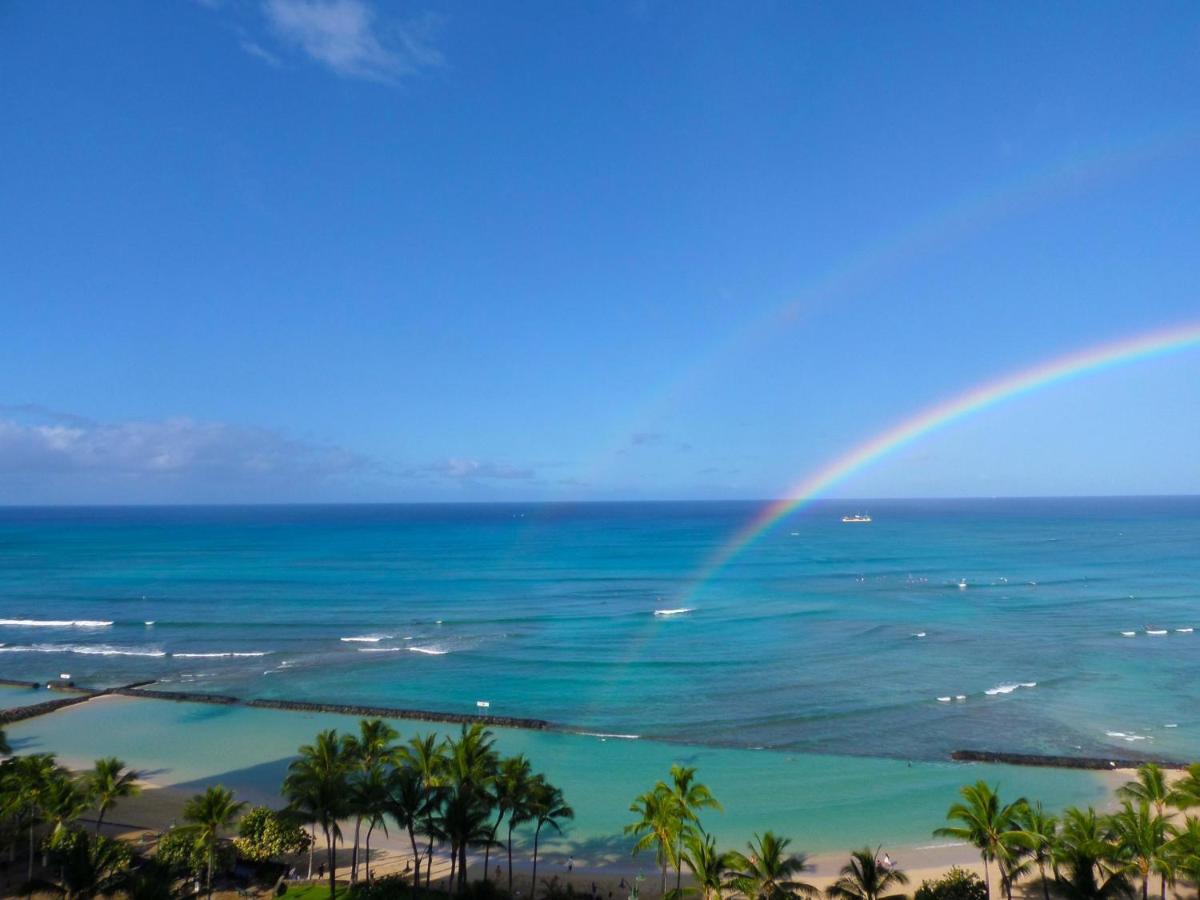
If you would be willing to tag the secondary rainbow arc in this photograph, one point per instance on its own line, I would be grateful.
(933, 418)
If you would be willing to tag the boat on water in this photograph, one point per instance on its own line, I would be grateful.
(857, 517)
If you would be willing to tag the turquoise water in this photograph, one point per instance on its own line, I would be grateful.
(825, 803)
(12, 696)
(804, 643)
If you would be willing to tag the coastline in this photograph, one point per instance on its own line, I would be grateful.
(826, 804)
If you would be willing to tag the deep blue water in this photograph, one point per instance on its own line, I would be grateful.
(806, 641)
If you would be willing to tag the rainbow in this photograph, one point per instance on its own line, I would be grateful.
(933, 418)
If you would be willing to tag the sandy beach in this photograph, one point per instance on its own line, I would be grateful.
(159, 807)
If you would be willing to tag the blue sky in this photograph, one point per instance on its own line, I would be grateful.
(297, 250)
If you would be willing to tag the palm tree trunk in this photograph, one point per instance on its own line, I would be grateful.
(331, 851)
(1146, 886)
(354, 852)
(412, 839)
(428, 863)
(662, 891)
(510, 830)
(533, 887)
(367, 853)
(99, 818)
(487, 851)
(210, 867)
(453, 869)
(31, 851)
(1045, 886)
(987, 878)
(312, 846)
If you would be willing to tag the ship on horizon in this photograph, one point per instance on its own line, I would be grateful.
(857, 517)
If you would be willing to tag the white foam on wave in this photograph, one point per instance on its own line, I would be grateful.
(1009, 687)
(1129, 633)
(944, 699)
(82, 650)
(220, 655)
(1184, 630)
(674, 612)
(54, 623)
(1171, 725)
(918, 634)
(365, 639)
(602, 735)
(1156, 631)
(1128, 736)
(429, 651)
(380, 649)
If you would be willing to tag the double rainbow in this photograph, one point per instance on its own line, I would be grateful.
(933, 418)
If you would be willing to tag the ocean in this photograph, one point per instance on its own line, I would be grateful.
(1064, 625)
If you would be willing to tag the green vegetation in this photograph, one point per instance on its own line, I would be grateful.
(458, 796)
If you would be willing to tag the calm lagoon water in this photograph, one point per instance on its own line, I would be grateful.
(825, 803)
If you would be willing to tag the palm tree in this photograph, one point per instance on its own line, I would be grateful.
(520, 811)
(371, 795)
(91, 866)
(985, 823)
(656, 826)
(1141, 837)
(209, 814)
(317, 786)
(5, 749)
(509, 787)
(1149, 787)
(1038, 832)
(707, 865)
(408, 805)
(863, 878)
(769, 872)
(470, 767)
(1084, 851)
(372, 748)
(108, 782)
(426, 757)
(546, 807)
(1184, 848)
(32, 778)
(689, 796)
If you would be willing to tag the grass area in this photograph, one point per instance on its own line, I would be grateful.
(314, 891)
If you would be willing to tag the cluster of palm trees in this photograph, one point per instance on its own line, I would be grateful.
(456, 792)
(1085, 855)
(668, 821)
(38, 796)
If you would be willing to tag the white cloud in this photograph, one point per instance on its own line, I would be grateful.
(45, 451)
(348, 37)
(474, 470)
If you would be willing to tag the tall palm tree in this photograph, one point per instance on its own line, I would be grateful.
(1141, 837)
(1184, 848)
(985, 823)
(520, 811)
(547, 807)
(863, 878)
(371, 797)
(33, 779)
(657, 826)
(1039, 832)
(373, 747)
(1149, 787)
(108, 782)
(769, 872)
(426, 757)
(1083, 858)
(317, 787)
(708, 865)
(208, 815)
(689, 796)
(470, 768)
(509, 787)
(409, 806)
